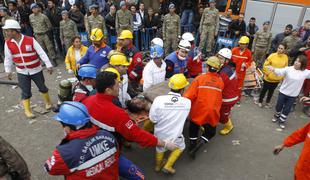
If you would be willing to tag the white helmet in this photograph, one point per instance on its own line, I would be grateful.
(226, 53)
(157, 41)
(184, 44)
(11, 24)
(188, 36)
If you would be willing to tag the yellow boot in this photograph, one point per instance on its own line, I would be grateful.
(28, 113)
(227, 128)
(159, 160)
(47, 101)
(171, 160)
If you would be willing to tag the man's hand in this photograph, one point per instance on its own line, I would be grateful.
(302, 49)
(170, 146)
(278, 149)
(270, 68)
(303, 99)
(50, 70)
(9, 75)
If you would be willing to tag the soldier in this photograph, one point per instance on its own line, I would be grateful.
(291, 41)
(4, 16)
(41, 26)
(95, 20)
(209, 25)
(68, 30)
(261, 44)
(124, 19)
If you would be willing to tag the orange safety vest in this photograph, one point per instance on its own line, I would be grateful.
(205, 93)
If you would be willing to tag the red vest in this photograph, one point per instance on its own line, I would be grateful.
(26, 56)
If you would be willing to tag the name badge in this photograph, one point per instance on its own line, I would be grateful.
(28, 48)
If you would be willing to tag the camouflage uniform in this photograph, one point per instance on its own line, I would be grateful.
(123, 21)
(261, 45)
(171, 32)
(291, 42)
(41, 26)
(92, 22)
(209, 25)
(68, 30)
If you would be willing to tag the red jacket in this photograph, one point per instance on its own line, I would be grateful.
(230, 91)
(302, 168)
(238, 58)
(108, 116)
(136, 66)
(194, 67)
(85, 154)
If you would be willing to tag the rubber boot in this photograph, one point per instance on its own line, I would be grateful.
(159, 160)
(47, 101)
(28, 112)
(227, 128)
(193, 151)
(175, 154)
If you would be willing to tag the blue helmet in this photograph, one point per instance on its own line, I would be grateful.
(156, 51)
(73, 113)
(87, 71)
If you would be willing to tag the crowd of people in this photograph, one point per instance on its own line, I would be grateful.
(112, 76)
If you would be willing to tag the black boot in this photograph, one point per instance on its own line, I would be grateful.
(192, 151)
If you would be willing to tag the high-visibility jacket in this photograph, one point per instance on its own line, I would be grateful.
(230, 92)
(302, 168)
(175, 65)
(239, 58)
(205, 93)
(71, 60)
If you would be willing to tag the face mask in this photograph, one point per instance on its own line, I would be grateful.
(89, 87)
(181, 58)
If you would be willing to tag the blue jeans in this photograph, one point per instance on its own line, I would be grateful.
(283, 107)
(187, 20)
(129, 170)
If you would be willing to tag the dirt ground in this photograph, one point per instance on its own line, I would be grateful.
(245, 154)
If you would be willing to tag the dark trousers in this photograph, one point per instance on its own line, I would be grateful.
(207, 134)
(270, 87)
(24, 82)
(283, 107)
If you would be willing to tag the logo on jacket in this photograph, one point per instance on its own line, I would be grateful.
(174, 99)
(103, 54)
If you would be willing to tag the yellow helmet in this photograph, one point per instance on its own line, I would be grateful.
(126, 34)
(244, 40)
(119, 60)
(178, 81)
(113, 70)
(214, 62)
(96, 34)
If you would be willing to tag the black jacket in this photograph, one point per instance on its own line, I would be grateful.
(54, 15)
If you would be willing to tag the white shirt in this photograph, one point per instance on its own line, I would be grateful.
(141, 14)
(137, 23)
(168, 113)
(8, 59)
(123, 95)
(77, 55)
(152, 74)
(293, 80)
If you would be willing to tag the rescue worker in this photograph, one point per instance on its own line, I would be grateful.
(87, 84)
(84, 149)
(97, 53)
(194, 61)
(205, 93)
(41, 27)
(302, 167)
(155, 71)
(242, 57)
(177, 60)
(230, 92)
(171, 29)
(157, 41)
(68, 30)
(169, 113)
(12, 164)
(123, 19)
(95, 20)
(116, 120)
(208, 29)
(261, 44)
(25, 52)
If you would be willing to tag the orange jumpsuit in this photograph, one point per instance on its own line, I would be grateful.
(239, 58)
(302, 168)
(205, 93)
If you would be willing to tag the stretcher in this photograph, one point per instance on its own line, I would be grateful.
(253, 79)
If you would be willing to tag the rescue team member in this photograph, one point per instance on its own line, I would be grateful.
(116, 120)
(205, 93)
(85, 152)
(242, 57)
(87, 84)
(194, 61)
(97, 53)
(25, 52)
(169, 113)
(154, 71)
(230, 92)
(302, 168)
(176, 61)
(157, 41)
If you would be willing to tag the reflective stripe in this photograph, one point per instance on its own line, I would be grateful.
(242, 57)
(231, 99)
(27, 63)
(134, 73)
(24, 55)
(232, 76)
(210, 87)
(102, 125)
(204, 138)
(95, 160)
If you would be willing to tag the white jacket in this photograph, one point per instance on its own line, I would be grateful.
(123, 95)
(152, 74)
